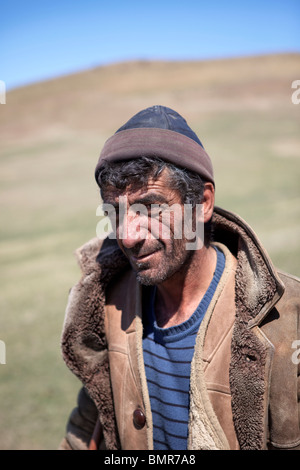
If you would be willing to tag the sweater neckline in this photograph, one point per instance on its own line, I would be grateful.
(189, 326)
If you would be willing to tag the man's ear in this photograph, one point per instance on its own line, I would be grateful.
(208, 201)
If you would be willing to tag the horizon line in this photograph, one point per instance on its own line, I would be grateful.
(115, 62)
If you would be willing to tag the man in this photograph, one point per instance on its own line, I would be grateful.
(178, 346)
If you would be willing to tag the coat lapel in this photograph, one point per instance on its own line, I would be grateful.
(84, 345)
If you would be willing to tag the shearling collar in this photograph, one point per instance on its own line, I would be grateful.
(258, 285)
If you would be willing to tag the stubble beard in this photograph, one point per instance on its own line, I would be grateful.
(170, 263)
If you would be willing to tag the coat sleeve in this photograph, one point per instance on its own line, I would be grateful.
(81, 424)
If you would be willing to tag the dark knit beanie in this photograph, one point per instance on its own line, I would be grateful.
(158, 131)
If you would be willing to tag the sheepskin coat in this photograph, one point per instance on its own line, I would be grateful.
(244, 385)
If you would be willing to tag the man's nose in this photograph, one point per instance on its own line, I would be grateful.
(132, 231)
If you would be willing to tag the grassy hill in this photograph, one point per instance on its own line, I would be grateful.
(51, 134)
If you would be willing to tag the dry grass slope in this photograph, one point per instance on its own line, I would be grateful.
(51, 134)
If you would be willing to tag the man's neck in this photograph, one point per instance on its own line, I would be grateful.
(178, 297)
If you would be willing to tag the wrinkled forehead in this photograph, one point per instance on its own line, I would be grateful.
(155, 191)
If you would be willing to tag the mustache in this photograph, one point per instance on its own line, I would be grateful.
(140, 250)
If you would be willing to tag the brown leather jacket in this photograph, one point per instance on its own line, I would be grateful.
(244, 386)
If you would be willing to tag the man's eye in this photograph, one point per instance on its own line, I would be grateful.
(156, 211)
(111, 212)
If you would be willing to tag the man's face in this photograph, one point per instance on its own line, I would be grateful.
(150, 237)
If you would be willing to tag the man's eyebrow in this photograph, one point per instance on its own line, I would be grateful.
(151, 199)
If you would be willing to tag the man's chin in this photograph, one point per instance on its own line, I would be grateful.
(145, 279)
(148, 278)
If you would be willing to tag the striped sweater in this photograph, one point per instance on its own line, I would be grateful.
(168, 353)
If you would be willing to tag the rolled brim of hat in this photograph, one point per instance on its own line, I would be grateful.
(168, 145)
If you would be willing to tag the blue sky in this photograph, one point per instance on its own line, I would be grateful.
(42, 39)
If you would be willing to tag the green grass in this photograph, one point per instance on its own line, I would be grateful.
(48, 200)
(43, 221)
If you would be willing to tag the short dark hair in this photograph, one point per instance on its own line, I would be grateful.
(137, 172)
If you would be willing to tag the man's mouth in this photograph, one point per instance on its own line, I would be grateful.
(145, 257)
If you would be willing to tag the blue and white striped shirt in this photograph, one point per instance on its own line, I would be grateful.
(168, 353)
